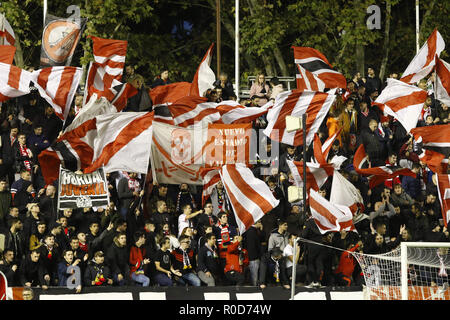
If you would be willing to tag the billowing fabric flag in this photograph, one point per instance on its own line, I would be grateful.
(169, 93)
(435, 161)
(107, 69)
(295, 103)
(60, 39)
(177, 154)
(326, 147)
(344, 193)
(315, 73)
(423, 63)
(250, 197)
(443, 186)
(204, 77)
(58, 86)
(210, 178)
(232, 112)
(14, 82)
(329, 216)
(377, 175)
(442, 82)
(3, 286)
(117, 141)
(119, 95)
(435, 137)
(193, 110)
(316, 174)
(402, 101)
(7, 54)
(6, 32)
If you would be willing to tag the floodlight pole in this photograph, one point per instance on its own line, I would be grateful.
(304, 161)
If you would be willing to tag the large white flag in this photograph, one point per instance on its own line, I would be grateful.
(442, 82)
(344, 193)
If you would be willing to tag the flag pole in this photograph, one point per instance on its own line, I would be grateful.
(304, 161)
(236, 63)
(218, 35)
(417, 27)
(45, 12)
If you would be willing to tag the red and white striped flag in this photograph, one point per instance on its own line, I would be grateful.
(328, 216)
(107, 69)
(169, 93)
(58, 86)
(7, 54)
(442, 82)
(344, 193)
(119, 95)
(443, 186)
(192, 110)
(204, 77)
(14, 82)
(3, 286)
(326, 147)
(316, 174)
(117, 141)
(315, 72)
(402, 101)
(6, 32)
(377, 175)
(423, 63)
(250, 197)
(295, 103)
(434, 160)
(232, 112)
(210, 178)
(433, 136)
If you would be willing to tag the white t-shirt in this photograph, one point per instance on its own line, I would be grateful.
(288, 251)
(182, 223)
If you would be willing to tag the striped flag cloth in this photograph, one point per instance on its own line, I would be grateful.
(58, 86)
(329, 216)
(344, 193)
(435, 136)
(117, 141)
(443, 186)
(377, 175)
(250, 197)
(442, 82)
(232, 112)
(107, 69)
(14, 82)
(424, 61)
(169, 93)
(204, 77)
(402, 101)
(119, 95)
(188, 112)
(6, 32)
(316, 174)
(7, 54)
(435, 161)
(295, 103)
(210, 178)
(315, 73)
(326, 147)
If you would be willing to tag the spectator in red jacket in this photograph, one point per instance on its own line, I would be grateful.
(347, 265)
(137, 261)
(236, 261)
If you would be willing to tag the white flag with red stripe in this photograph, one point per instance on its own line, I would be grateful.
(315, 72)
(316, 174)
(442, 81)
(204, 77)
(107, 69)
(232, 112)
(329, 216)
(423, 63)
(402, 101)
(326, 147)
(58, 86)
(6, 31)
(443, 186)
(344, 193)
(210, 178)
(295, 103)
(377, 175)
(193, 110)
(433, 136)
(250, 197)
(14, 82)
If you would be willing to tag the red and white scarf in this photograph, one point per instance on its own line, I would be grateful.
(25, 152)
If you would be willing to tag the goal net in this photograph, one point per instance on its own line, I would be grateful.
(412, 271)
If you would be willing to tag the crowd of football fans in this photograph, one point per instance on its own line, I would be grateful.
(164, 235)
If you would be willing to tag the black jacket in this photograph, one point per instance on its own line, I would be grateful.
(253, 239)
(93, 270)
(207, 261)
(118, 257)
(33, 272)
(266, 270)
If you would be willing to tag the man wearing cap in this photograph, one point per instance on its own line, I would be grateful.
(97, 272)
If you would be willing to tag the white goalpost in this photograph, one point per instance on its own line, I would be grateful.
(412, 271)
